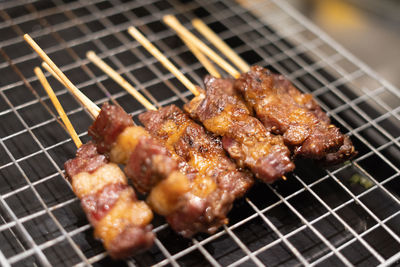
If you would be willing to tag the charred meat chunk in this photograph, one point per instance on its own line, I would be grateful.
(146, 160)
(149, 163)
(224, 113)
(106, 128)
(118, 218)
(217, 182)
(202, 150)
(285, 111)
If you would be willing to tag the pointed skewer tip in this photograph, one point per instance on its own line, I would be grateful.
(90, 54)
(170, 18)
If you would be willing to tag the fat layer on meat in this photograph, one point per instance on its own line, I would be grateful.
(216, 181)
(146, 160)
(285, 111)
(223, 112)
(119, 219)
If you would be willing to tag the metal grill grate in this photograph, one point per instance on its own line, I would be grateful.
(344, 215)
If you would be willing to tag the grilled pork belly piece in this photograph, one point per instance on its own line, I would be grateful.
(218, 181)
(147, 160)
(148, 163)
(285, 111)
(223, 112)
(118, 218)
(202, 150)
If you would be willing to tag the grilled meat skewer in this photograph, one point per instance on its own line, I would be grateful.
(205, 206)
(118, 218)
(285, 111)
(223, 112)
(205, 153)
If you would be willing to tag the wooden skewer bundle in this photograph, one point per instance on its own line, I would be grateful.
(118, 78)
(188, 37)
(201, 51)
(182, 31)
(220, 44)
(202, 58)
(163, 59)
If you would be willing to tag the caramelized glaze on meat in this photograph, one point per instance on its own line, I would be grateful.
(284, 110)
(149, 163)
(108, 125)
(208, 201)
(119, 219)
(146, 160)
(223, 112)
(201, 149)
(93, 160)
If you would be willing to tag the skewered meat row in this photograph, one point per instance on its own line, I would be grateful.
(284, 110)
(116, 136)
(201, 149)
(148, 163)
(185, 197)
(281, 107)
(206, 204)
(222, 181)
(118, 218)
(223, 112)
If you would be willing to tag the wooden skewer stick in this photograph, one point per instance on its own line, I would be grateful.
(87, 102)
(113, 74)
(163, 59)
(178, 27)
(47, 67)
(220, 44)
(202, 58)
(58, 106)
(93, 109)
(119, 79)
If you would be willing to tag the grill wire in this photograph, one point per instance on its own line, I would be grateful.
(343, 215)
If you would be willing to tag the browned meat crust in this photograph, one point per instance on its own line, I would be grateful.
(223, 112)
(204, 215)
(98, 204)
(284, 110)
(87, 160)
(203, 212)
(345, 152)
(111, 121)
(133, 238)
(149, 163)
(130, 235)
(201, 149)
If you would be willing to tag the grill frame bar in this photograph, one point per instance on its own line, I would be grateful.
(288, 13)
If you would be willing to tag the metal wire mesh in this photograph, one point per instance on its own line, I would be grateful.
(345, 215)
